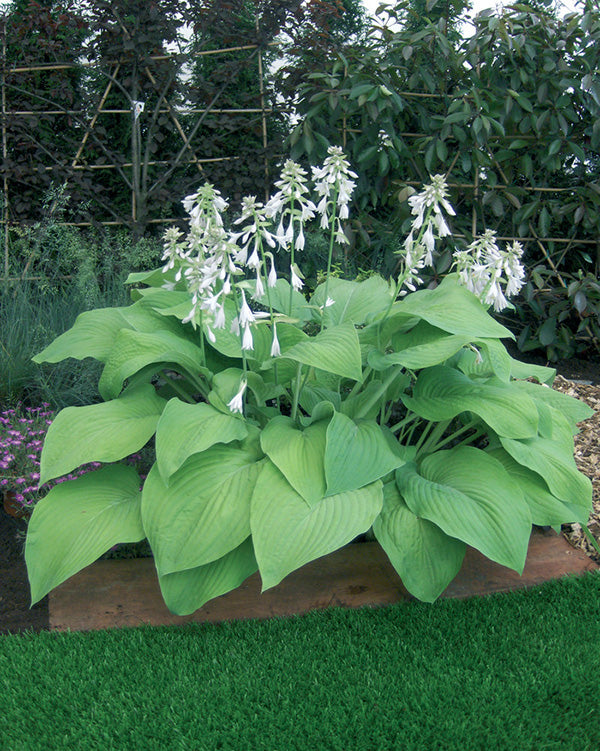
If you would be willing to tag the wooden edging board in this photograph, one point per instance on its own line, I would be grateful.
(117, 593)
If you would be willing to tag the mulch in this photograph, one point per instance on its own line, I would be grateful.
(583, 381)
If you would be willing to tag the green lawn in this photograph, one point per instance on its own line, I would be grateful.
(513, 671)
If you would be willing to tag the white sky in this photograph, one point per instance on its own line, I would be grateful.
(479, 5)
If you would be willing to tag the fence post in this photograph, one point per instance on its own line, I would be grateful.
(4, 153)
(263, 114)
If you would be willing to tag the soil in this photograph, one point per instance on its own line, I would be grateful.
(15, 614)
(580, 378)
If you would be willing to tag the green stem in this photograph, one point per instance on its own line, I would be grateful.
(359, 384)
(264, 265)
(405, 421)
(379, 393)
(410, 434)
(591, 539)
(177, 388)
(458, 432)
(195, 381)
(202, 341)
(305, 379)
(240, 335)
(402, 278)
(388, 413)
(292, 249)
(434, 437)
(329, 257)
(296, 391)
(426, 431)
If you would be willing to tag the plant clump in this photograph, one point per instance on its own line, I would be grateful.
(285, 425)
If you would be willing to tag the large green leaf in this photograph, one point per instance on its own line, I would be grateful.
(313, 394)
(487, 358)
(287, 533)
(143, 316)
(379, 333)
(92, 335)
(186, 429)
(422, 347)
(133, 350)
(298, 454)
(545, 508)
(78, 521)
(154, 278)
(177, 303)
(555, 464)
(471, 497)
(287, 335)
(279, 296)
(573, 409)
(357, 454)
(425, 558)
(186, 591)
(204, 512)
(354, 301)
(525, 370)
(102, 432)
(453, 308)
(335, 349)
(442, 393)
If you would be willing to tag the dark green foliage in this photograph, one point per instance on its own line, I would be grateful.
(510, 114)
(514, 671)
(39, 34)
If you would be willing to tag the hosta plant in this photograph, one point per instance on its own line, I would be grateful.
(286, 426)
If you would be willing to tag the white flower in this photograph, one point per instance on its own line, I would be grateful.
(275, 348)
(247, 341)
(385, 142)
(174, 251)
(246, 316)
(259, 289)
(291, 198)
(332, 180)
(340, 235)
(434, 197)
(237, 403)
(483, 268)
(428, 225)
(297, 283)
(219, 320)
(429, 242)
(256, 230)
(272, 278)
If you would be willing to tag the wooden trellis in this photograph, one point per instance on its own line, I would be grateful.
(190, 153)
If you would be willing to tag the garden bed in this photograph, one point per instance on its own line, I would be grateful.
(118, 593)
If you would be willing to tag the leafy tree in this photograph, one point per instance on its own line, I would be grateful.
(135, 75)
(39, 36)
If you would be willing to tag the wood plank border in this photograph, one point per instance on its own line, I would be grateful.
(118, 593)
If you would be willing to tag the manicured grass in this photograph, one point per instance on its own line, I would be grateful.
(517, 671)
